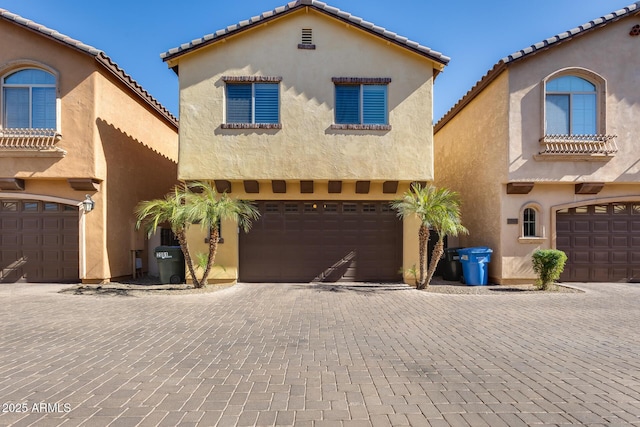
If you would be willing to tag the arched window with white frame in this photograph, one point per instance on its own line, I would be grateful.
(571, 106)
(29, 99)
(529, 223)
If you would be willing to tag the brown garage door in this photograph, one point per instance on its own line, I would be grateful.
(322, 241)
(38, 241)
(602, 242)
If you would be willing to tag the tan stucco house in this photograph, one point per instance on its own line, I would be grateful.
(73, 124)
(545, 151)
(320, 117)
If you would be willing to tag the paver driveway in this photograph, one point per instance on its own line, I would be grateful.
(287, 354)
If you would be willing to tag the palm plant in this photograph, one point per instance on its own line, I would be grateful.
(446, 221)
(206, 206)
(435, 208)
(197, 203)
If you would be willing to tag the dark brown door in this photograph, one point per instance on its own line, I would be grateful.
(602, 242)
(322, 241)
(38, 241)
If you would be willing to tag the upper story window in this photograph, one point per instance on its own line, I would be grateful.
(29, 100)
(361, 103)
(571, 106)
(252, 102)
(575, 118)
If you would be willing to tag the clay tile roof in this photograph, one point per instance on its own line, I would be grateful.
(530, 51)
(319, 6)
(98, 54)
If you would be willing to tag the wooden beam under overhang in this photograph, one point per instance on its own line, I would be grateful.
(519, 187)
(84, 184)
(11, 184)
(589, 187)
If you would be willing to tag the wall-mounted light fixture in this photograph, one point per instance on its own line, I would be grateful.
(88, 203)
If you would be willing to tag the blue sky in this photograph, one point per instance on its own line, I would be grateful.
(474, 34)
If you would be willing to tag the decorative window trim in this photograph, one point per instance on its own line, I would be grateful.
(251, 79)
(361, 80)
(251, 126)
(361, 127)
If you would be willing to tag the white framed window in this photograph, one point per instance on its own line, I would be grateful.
(29, 100)
(531, 223)
(571, 106)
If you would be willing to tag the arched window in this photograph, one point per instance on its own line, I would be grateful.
(571, 106)
(29, 99)
(529, 223)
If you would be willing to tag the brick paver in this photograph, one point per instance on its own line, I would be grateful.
(320, 355)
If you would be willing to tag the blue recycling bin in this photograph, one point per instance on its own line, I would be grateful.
(475, 265)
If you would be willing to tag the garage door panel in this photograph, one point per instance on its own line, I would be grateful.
(581, 257)
(51, 240)
(602, 242)
(51, 224)
(600, 226)
(44, 241)
(620, 226)
(335, 241)
(581, 226)
(619, 257)
(599, 274)
(600, 257)
(620, 242)
(580, 241)
(10, 224)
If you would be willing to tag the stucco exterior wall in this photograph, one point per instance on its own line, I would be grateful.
(614, 55)
(610, 54)
(471, 158)
(227, 258)
(76, 91)
(306, 147)
(109, 134)
(549, 197)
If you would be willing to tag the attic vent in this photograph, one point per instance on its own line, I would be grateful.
(635, 31)
(307, 39)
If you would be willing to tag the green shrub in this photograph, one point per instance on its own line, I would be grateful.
(548, 264)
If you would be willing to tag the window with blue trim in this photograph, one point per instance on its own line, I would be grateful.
(253, 103)
(29, 100)
(571, 106)
(363, 104)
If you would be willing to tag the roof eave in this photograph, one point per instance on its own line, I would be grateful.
(493, 73)
(172, 55)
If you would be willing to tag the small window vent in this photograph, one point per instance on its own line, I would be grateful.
(307, 39)
(635, 31)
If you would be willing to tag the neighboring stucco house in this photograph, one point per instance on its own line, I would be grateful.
(320, 117)
(545, 151)
(72, 124)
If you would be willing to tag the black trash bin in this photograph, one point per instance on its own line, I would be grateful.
(171, 264)
(452, 268)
